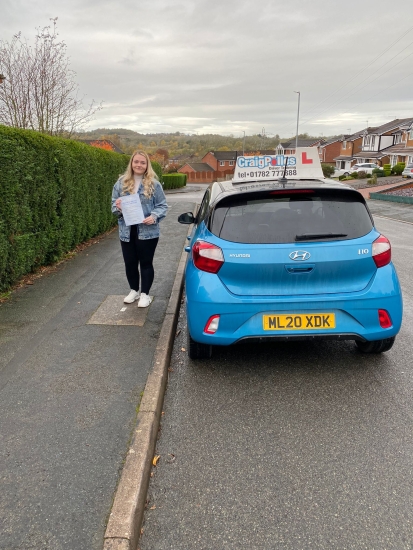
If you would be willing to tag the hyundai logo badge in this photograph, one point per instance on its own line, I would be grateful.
(300, 255)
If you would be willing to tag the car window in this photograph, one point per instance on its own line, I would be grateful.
(203, 208)
(271, 218)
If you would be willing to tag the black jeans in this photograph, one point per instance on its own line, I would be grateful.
(139, 254)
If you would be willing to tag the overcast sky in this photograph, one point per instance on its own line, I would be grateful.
(230, 66)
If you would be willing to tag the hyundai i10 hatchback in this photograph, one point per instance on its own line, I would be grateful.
(288, 260)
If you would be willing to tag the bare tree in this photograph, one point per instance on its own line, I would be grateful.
(40, 92)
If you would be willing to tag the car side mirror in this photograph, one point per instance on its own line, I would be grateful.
(186, 218)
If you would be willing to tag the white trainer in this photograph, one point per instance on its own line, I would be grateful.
(145, 300)
(132, 296)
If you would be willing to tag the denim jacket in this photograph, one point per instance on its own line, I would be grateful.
(155, 206)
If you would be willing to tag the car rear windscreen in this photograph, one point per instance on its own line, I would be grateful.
(291, 216)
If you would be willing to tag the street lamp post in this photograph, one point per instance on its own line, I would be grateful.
(243, 144)
(298, 118)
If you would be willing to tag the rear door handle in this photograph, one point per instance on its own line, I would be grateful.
(294, 269)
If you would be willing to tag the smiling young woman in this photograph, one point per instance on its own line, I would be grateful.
(139, 241)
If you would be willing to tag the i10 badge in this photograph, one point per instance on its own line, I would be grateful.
(363, 250)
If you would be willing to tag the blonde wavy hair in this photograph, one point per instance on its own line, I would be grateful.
(128, 182)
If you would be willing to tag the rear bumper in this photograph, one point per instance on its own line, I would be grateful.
(241, 318)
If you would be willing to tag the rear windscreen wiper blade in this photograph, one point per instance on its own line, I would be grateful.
(306, 236)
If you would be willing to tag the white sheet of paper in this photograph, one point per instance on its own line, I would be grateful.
(132, 209)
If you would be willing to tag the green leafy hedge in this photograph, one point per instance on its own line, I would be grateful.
(157, 168)
(55, 195)
(173, 181)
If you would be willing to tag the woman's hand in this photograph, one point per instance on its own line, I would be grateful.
(149, 220)
(118, 204)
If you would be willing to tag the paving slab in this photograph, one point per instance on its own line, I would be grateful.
(113, 311)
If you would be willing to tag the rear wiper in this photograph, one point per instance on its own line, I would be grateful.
(306, 236)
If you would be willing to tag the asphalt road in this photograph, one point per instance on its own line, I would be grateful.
(289, 446)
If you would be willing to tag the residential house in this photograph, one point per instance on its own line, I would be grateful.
(198, 172)
(288, 147)
(215, 166)
(329, 150)
(350, 145)
(402, 150)
(378, 143)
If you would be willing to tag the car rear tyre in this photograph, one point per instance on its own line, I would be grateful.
(377, 346)
(346, 174)
(197, 350)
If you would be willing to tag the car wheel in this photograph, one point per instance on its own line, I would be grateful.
(377, 346)
(346, 174)
(197, 350)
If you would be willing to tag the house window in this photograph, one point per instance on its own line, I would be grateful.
(411, 134)
(231, 163)
(368, 142)
(344, 144)
(222, 162)
(398, 138)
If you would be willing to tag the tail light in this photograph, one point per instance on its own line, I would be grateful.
(212, 324)
(381, 251)
(384, 319)
(207, 257)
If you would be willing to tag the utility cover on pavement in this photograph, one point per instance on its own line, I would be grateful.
(113, 311)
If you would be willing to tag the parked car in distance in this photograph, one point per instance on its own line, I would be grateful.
(341, 172)
(408, 171)
(287, 260)
(367, 167)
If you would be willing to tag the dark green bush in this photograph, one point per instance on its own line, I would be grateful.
(328, 170)
(398, 168)
(379, 173)
(55, 195)
(174, 181)
(157, 168)
(354, 175)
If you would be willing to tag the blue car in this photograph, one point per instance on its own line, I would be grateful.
(288, 260)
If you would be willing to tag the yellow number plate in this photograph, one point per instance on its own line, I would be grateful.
(301, 321)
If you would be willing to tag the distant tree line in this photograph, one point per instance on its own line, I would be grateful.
(182, 146)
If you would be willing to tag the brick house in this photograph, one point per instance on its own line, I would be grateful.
(402, 150)
(215, 166)
(288, 147)
(198, 172)
(378, 143)
(329, 150)
(349, 146)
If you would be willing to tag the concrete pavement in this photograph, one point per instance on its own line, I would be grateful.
(70, 387)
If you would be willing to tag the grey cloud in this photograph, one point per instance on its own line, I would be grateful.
(235, 64)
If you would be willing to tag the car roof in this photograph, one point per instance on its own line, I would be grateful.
(222, 189)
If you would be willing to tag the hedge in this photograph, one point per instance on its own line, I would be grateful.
(55, 195)
(157, 168)
(173, 181)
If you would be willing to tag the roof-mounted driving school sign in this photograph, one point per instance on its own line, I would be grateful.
(305, 163)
